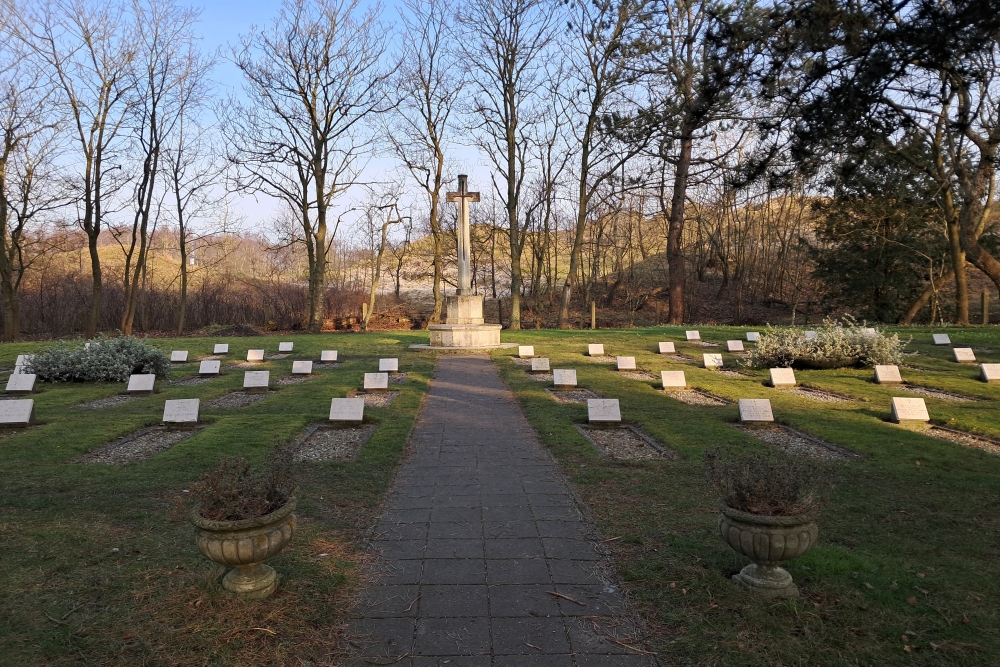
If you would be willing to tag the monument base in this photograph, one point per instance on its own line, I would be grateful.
(465, 335)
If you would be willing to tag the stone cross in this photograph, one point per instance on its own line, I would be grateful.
(463, 197)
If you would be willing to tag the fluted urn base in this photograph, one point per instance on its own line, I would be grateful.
(255, 581)
(767, 582)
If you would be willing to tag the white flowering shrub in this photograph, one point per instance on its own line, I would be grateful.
(837, 343)
(104, 360)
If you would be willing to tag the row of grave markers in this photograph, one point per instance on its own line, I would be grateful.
(181, 356)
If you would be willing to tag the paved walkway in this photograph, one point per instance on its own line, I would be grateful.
(479, 531)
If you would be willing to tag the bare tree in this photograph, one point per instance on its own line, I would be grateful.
(381, 214)
(311, 80)
(504, 44)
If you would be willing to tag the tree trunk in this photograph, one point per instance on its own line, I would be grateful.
(922, 300)
(98, 288)
(675, 232)
(438, 260)
(182, 308)
(961, 279)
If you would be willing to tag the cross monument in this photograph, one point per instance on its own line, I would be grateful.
(463, 197)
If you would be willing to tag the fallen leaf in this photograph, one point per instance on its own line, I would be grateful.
(684, 591)
(918, 463)
(934, 646)
(911, 600)
(965, 619)
(976, 598)
(905, 639)
(923, 590)
(906, 648)
(869, 586)
(920, 574)
(673, 585)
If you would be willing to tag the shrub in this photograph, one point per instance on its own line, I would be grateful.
(234, 491)
(837, 342)
(768, 484)
(104, 360)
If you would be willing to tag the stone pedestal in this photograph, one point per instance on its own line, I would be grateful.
(464, 326)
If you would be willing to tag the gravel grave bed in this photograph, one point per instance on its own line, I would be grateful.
(397, 378)
(324, 365)
(107, 402)
(193, 381)
(603, 360)
(521, 362)
(541, 377)
(679, 357)
(375, 399)
(291, 379)
(138, 446)
(702, 343)
(637, 375)
(730, 373)
(212, 357)
(818, 395)
(572, 395)
(694, 397)
(623, 443)
(965, 439)
(248, 365)
(793, 442)
(280, 355)
(238, 399)
(332, 444)
(937, 393)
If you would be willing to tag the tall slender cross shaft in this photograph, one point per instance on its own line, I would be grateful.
(463, 197)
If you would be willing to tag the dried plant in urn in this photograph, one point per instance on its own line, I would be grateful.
(768, 513)
(244, 516)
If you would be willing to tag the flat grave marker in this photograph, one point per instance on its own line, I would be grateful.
(673, 379)
(376, 382)
(22, 362)
(525, 351)
(755, 410)
(255, 355)
(782, 377)
(221, 348)
(603, 410)
(347, 410)
(539, 365)
(869, 331)
(302, 367)
(18, 412)
(734, 345)
(810, 335)
(21, 383)
(563, 378)
(328, 355)
(963, 355)
(667, 347)
(712, 360)
(595, 349)
(181, 411)
(388, 365)
(753, 336)
(286, 347)
(141, 383)
(692, 335)
(909, 409)
(625, 363)
(887, 374)
(256, 380)
(989, 372)
(179, 356)
(941, 339)
(210, 367)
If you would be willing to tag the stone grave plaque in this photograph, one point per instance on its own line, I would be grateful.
(285, 347)
(525, 351)
(869, 331)
(388, 365)
(755, 410)
(179, 356)
(887, 374)
(347, 410)
(595, 349)
(673, 379)
(21, 383)
(141, 383)
(712, 360)
(376, 382)
(328, 355)
(564, 377)
(210, 367)
(18, 412)
(753, 336)
(810, 335)
(989, 372)
(221, 348)
(539, 365)
(603, 410)
(256, 380)
(693, 335)
(255, 355)
(181, 411)
(734, 345)
(909, 409)
(302, 367)
(941, 339)
(667, 348)
(20, 366)
(782, 377)
(626, 363)
(964, 355)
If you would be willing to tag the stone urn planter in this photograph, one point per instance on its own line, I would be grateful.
(767, 541)
(245, 545)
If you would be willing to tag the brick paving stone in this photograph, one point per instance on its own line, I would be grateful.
(479, 528)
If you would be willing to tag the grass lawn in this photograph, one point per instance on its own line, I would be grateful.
(907, 568)
(99, 564)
